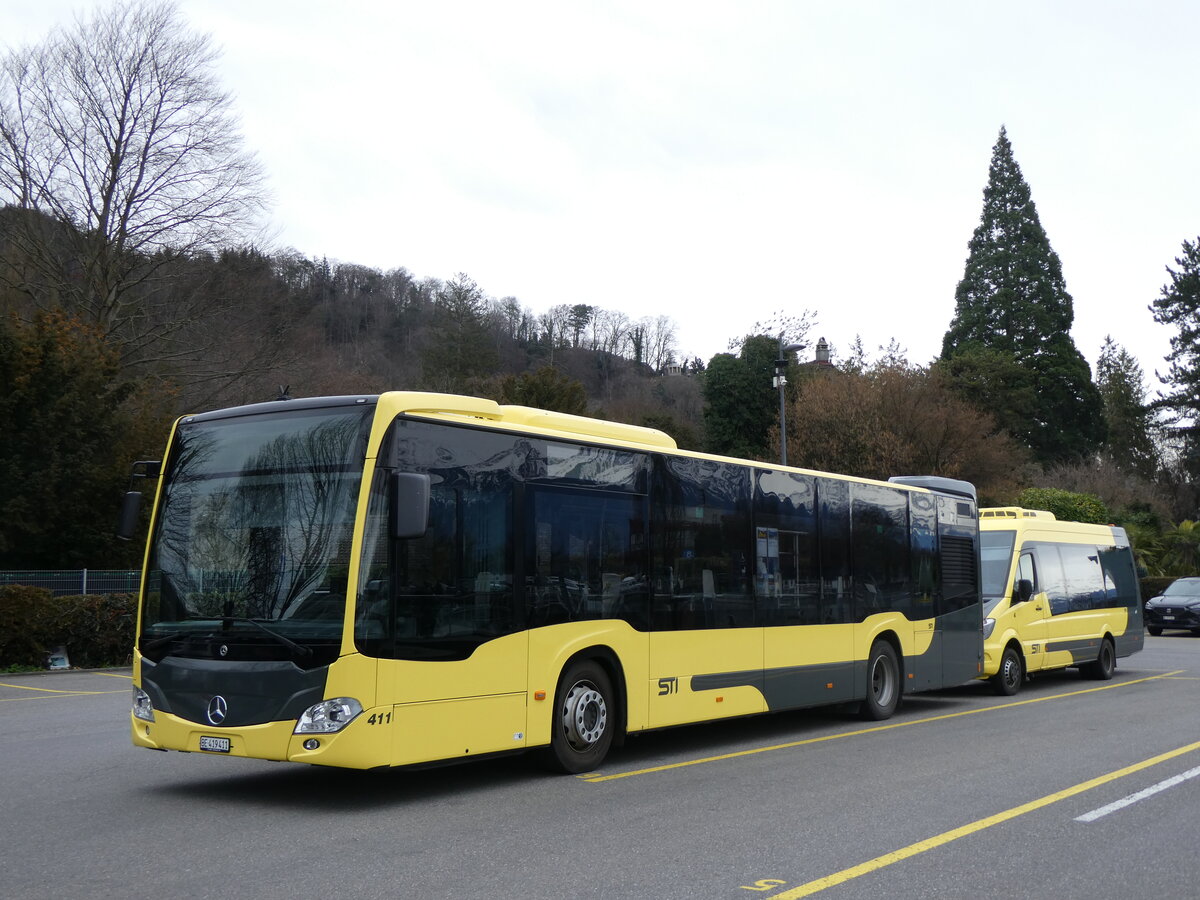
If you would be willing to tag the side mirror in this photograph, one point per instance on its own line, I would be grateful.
(1024, 589)
(128, 522)
(409, 505)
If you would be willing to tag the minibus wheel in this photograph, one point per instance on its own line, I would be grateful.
(1104, 666)
(1012, 672)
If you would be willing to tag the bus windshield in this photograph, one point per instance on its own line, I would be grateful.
(996, 553)
(253, 534)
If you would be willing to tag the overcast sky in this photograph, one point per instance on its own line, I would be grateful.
(721, 162)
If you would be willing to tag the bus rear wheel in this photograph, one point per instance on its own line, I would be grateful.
(1012, 673)
(883, 683)
(1104, 666)
(584, 721)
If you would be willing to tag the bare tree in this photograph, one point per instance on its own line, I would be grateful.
(120, 157)
(610, 330)
(660, 341)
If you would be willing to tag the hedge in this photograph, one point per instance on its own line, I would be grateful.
(96, 629)
(1153, 585)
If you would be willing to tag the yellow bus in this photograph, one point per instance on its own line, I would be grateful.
(1056, 594)
(411, 578)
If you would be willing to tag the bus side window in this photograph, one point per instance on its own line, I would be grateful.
(1050, 578)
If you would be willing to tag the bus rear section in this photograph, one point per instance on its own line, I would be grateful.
(1056, 595)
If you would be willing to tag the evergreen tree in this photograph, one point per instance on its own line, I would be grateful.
(1179, 307)
(1121, 382)
(740, 405)
(70, 432)
(544, 389)
(1012, 299)
(461, 352)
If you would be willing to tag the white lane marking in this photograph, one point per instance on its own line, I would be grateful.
(1140, 795)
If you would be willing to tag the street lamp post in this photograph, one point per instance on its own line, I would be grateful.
(780, 380)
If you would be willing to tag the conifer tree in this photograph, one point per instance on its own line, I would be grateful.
(1012, 299)
(1129, 444)
(1179, 307)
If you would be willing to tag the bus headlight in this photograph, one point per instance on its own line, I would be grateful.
(988, 625)
(142, 707)
(328, 716)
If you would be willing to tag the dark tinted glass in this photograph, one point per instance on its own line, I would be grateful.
(996, 550)
(585, 557)
(463, 583)
(881, 565)
(455, 586)
(787, 578)
(833, 529)
(1050, 577)
(1183, 587)
(1120, 577)
(255, 526)
(926, 572)
(1083, 577)
(702, 543)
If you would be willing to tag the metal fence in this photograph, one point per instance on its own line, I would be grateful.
(72, 582)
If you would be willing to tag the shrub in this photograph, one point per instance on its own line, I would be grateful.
(1066, 505)
(1153, 585)
(20, 639)
(96, 629)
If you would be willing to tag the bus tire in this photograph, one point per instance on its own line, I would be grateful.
(883, 683)
(584, 719)
(1105, 664)
(1011, 676)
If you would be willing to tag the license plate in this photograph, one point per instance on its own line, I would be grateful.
(1168, 618)
(215, 744)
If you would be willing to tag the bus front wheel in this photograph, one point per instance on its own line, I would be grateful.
(584, 721)
(883, 683)
(1012, 673)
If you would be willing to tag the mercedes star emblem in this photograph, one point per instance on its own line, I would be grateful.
(217, 709)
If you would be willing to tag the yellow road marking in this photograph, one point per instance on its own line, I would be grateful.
(60, 696)
(115, 675)
(22, 687)
(954, 834)
(596, 778)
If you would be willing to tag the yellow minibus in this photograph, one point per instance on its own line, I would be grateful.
(1056, 594)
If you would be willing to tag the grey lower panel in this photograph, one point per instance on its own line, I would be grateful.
(1131, 641)
(1082, 651)
(791, 687)
(721, 680)
(799, 686)
(962, 645)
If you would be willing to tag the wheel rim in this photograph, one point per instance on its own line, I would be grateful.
(584, 715)
(883, 682)
(1012, 671)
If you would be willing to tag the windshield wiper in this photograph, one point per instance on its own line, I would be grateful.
(299, 649)
(165, 639)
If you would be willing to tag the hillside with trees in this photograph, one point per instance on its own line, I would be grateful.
(133, 289)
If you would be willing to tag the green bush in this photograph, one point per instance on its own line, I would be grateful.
(20, 639)
(96, 630)
(1067, 505)
(1153, 585)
